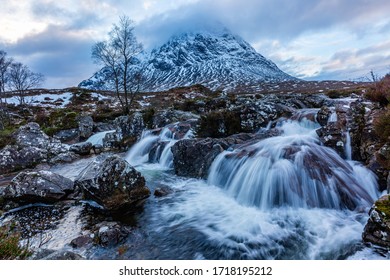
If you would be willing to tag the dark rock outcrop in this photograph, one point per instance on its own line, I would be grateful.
(41, 186)
(83, 148)
(193, 157)
(377, 229)
(85, 127)
(111, 233)
(68, 135)
(32, 146)
(114, 184)
(130, 126)
(165, 117)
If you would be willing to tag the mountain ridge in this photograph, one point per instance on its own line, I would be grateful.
(217, 59)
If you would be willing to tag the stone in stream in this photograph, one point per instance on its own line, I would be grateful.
(83, 148)
(114, 184)
(377, 229)
(42, 186)
(85, 127)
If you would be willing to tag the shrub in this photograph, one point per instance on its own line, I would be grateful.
(382, 125)
(9, 245)
(59, 120)
(380, 92)
(6, 137)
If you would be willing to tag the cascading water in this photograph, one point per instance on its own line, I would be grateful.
(292, 169)
(285, 197)
(347, 145)
(140, 152)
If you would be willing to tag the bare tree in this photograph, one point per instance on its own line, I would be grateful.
(21, 79)
(118, 54)
(5, 63)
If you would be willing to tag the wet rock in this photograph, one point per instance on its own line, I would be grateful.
(165, 117)
(323, 115)
(379, 164)
(130, 126)
(97, 149)
(162, 191)
(83, 148)
(114, 184)
(193, 157)
(85, 127)
(46, 254)
(377, 229)
(42, 186)
(82, 241)
(111, 140)
(64, 158)
(111, 233)
(333, 136)
(68, 135)
(101, 127)
(388, 184)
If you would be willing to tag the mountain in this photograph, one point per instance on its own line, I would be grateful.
(216, 59)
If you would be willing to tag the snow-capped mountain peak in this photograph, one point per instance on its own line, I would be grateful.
(215, 58)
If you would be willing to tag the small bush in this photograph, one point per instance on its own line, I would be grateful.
(380, 92)
(59, 120)
(382, 126)
(10, 248)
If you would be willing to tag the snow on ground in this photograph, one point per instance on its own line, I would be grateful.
(59, 100)
(45, 99)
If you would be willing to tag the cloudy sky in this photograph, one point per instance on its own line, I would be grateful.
(309, 39)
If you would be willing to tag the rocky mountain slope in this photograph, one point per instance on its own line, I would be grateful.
(216, 59)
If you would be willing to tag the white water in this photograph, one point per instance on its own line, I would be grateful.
(333, 117)
(348, 148)
(292, 170)
(285, 197)
(234, 230)
(139, 153)
(97, 138)
(204, 220)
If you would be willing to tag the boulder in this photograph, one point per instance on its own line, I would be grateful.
(68, 135)
(82, 241)
(323, 115)
(42, 186)
(163, 191)
(114, 184)
(165, 117)
(193, 157)
(47, 254)
(130, 126)
(85, 127)
(111, 140)
(111, 233)
(66, 157)
(32, 146)
(83, 148)
(377, 229)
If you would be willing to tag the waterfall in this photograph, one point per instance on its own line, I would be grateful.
(294, 170)
(97, 138)
(347, 147)
(140, 152)
(333, 117)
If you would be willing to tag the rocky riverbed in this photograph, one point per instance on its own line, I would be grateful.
(250, 176)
